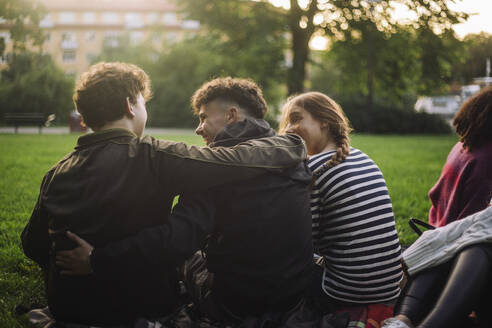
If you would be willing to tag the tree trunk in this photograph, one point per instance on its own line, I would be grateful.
(300, 45)
(370, 70)
(297, 73)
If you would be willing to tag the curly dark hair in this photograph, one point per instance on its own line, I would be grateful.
(473, 121)
(246, 93)
(101, 92)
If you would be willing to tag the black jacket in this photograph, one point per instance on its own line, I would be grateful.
(114, 185)
(260, 246)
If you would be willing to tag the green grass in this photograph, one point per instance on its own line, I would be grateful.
(410, 164)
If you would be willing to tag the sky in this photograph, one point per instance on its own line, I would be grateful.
(480, 17)
(480, 21)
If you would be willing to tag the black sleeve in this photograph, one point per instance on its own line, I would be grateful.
(191, 168)
(35, 238)
(191, 221)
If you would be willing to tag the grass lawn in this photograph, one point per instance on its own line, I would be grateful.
(410, 164)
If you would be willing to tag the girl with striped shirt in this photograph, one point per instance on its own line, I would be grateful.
(353, 224)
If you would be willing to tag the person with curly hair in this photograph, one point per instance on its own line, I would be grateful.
(255, 234)
(449, 267)
(465, 185)
(352, 218)
(118, 182)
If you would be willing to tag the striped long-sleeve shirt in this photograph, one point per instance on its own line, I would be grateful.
(354, 230)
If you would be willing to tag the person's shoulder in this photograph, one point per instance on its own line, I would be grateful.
(62, 161)
(354, 152)
(481, 159)
(357, 156)
(483, 152)
(161, 144)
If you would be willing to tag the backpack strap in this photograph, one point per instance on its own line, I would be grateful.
(414, 223)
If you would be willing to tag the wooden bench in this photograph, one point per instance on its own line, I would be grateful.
(28, 119)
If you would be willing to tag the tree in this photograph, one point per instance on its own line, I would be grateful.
(334, 19)
(22, 17)
(344, 71)
(179, 69)
(437, 55)
(33, 83)
(185, 66)
(478, 48)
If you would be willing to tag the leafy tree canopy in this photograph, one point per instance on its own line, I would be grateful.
(478, 48)
(336, 19)
(22, 18)
(179, 69)
(32, 83)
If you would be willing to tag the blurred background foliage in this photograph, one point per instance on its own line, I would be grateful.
(374, 67)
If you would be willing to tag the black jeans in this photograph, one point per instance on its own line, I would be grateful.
(444, 296)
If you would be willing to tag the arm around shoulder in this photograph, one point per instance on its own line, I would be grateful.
(190, 168)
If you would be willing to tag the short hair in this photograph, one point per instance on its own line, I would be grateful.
(473, 121)
(101, 92)
(244, 92)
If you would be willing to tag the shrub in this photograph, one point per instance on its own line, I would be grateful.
(381, 119)
(32, 83)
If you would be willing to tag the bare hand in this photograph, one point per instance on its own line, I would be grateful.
(75, 261)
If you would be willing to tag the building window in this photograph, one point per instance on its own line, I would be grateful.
(69, 37)
(47, 21)
(69, 56)
(89, 18)
(5, 36)
(110, 18)
(90, 36)
(170, 19)
(111, 39)
(133, 20)
(152, 18)
(69, 40)
(67, 17)
(191, 24)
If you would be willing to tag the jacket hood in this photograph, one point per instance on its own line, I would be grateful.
(251, 128)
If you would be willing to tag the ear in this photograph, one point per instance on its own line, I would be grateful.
(324, 124)
(129, 108)
(232, 115)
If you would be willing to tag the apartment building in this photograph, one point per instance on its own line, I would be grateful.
(77, 29)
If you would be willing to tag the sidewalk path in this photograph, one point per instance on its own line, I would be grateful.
(65, 130)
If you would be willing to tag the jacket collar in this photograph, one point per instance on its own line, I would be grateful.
(100, 136)
(249, 128)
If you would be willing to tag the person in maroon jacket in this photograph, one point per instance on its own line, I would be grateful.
(465, 185)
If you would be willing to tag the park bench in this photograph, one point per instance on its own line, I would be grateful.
(28, 119)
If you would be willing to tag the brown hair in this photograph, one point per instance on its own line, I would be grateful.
(101, 92)
(323, 109)
(245, 93)
(473, 121)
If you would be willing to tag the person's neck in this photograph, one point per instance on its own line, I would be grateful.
(118, 124)
(329, 146)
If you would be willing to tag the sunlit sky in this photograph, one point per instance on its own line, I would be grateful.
(480, 17)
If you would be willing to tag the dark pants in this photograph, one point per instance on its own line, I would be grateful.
(444, 296)
(199, 281)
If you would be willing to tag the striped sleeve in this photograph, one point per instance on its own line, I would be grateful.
(354, 230)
